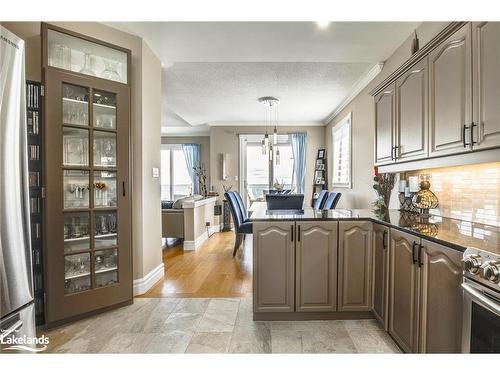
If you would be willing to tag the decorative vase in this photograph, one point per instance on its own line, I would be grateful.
(110, 71)
(87, 65)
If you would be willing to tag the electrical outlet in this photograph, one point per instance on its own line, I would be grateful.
(207, 224)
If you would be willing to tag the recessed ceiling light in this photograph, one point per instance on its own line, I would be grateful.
(323, 24)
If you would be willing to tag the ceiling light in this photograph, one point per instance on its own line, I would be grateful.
(323, 25)
(271, 119)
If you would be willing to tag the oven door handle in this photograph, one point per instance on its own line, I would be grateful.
(480, 297)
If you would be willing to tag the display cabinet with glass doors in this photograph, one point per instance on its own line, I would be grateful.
(87, 175)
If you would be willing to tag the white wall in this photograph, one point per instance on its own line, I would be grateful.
(363, 127)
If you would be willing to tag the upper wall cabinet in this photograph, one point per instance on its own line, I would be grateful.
(97, 59)
(411, 110)
(385, 125)
(450, 91)
(486, 63)
(444, 100)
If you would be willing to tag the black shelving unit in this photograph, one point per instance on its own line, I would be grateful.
(34, 124)
(320, 171)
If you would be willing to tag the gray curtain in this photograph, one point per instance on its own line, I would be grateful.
(299, 147)
(192, 156)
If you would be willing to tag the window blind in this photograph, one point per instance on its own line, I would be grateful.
(341, 137)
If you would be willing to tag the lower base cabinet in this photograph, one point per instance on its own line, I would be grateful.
(425, 300)
(274, 266)
(316, 266)
(441, 299)
(355, 266)
(403, 291)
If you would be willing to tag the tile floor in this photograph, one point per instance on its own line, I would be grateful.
(212, 325)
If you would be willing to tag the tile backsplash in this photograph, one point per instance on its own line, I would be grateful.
(469, 192)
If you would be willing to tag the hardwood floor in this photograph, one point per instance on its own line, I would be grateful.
(210, 271)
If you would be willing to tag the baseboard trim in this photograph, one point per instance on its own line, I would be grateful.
(142, 285)
(193, 245)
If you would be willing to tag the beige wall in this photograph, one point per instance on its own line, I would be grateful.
(225, 139)
(145, 128)
(204, 141)
(363, 127)
(195, 220)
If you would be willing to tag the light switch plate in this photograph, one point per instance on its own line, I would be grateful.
(156, 172)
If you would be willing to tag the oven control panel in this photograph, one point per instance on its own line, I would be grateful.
(482, 266)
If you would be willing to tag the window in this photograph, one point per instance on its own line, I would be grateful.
(341, 142)
(175, 179)
(259, 172)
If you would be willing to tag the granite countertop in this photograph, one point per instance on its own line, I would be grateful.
(455, 233)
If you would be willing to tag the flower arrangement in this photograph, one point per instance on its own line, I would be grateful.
(384, 183)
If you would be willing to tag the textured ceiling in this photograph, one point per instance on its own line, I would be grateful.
(226, 93)
(213, 72)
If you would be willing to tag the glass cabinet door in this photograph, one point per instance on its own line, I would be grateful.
(90, 167)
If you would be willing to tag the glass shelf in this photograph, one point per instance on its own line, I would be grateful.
(104, 149)
(75, 105)
(77, 273)
(76, 231)
(104, 189)
(75, 147)
(104, 110)
(106, 267)
(105, 234)
(76, 189)
(82, 56)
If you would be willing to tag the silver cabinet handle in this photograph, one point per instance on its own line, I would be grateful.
(487, 302)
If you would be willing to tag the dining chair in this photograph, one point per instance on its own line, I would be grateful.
(320, 201)
(241, 227)
(331, 201)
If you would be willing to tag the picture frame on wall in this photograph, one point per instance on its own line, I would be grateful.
(321, 153)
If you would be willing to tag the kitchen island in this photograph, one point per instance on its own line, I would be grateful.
(401, 268)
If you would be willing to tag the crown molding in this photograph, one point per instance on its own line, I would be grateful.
(360, 84)
(260, 124)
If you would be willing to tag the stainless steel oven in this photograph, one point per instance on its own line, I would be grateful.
(481, 302)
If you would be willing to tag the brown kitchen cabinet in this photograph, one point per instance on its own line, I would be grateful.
(316, 266)
(385, 125)
(355, 266)
(441, 299)
(274, 266)
(425, 300)
(403, 290)
(380, 281)
(450, 94)
(87, 177)
(411, 114)
(486, 84)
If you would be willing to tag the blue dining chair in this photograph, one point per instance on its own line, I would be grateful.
(241, 227)
(320, 201)
(331, 201)
(284, 202)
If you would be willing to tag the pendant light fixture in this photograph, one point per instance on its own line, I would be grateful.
(271, 120)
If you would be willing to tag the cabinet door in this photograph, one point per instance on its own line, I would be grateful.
(316, 270)
(381, 273)
(403, 295)
(450, 94)
(411, 110)
(273, 266)
(441, 308)
(355, 266)
(384, 126)
(88, 205)
(486, 70)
